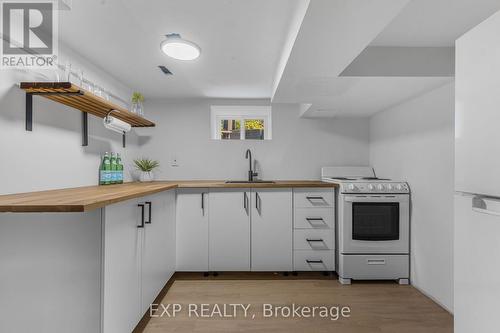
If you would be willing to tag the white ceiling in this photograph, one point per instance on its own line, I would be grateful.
(335, 32)
(364, 96)
(241, 43)
(332, 35)
(292, 51)
(435, 22)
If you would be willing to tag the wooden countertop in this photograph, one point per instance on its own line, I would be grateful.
(275, 184)
(82, 199)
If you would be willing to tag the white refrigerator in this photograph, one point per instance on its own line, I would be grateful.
(477, 179)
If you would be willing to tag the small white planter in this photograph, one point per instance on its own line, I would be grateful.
(145, 176)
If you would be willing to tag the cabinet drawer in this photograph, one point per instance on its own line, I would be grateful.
(313, 239)
(313, 218)
(371, 267)
(313, 260)
(307, 198)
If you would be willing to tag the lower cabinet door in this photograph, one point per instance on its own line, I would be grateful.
(229, 230)
(122, 241)
(158, 245)
(271, 230)
(192, 230)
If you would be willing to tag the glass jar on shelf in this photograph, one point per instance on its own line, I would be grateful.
(97, 91)
(137, 106)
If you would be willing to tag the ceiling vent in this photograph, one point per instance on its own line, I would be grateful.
(165, 70)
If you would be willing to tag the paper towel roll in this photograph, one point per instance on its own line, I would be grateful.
(116, 125)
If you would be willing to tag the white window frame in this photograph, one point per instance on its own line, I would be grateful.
(239, 112)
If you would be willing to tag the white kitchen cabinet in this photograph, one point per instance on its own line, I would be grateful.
(229, 230)
(271, 230)
(122, 242)
(158, 245)
(102, 257)
(169, 247)
(192, 230)
(138, 258)
(314, 229)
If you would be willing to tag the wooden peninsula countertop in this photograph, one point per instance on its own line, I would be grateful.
(83, 199)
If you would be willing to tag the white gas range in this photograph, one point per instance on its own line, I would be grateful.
(373, 225)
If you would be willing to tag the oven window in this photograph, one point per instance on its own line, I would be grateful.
(375, 221)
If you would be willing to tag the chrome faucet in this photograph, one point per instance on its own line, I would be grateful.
(251, 173)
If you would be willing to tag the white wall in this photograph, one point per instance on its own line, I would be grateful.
(53, 262)
(415, 142)
(298, 149)
(52, 156)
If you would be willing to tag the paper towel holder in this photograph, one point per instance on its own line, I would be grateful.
(123, 132)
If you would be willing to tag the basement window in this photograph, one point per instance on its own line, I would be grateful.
(240, 122)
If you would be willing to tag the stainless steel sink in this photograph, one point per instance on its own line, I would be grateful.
(249, 182)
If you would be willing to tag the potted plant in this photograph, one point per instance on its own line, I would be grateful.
(146, 167)
(137, 100)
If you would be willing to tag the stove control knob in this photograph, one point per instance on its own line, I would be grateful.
(380, 187)
(351, 187)
(400, 187)
(371, 187)
(389, 187)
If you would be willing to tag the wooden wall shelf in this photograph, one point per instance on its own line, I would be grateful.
(71, 95)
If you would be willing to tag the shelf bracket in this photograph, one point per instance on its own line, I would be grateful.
(29, 103)
(29, 112)
(85, 129)
(123, 139)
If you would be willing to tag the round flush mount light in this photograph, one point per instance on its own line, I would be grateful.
(178, 48)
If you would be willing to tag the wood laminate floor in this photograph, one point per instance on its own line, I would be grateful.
(374, 306)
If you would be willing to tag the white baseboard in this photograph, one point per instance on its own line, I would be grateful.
(433, 299)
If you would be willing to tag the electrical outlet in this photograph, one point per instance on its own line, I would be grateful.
(175, 162)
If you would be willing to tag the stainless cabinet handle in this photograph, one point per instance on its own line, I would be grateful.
(314, 261)
(311, 220)
(258, 203)
(314, 240)
(245, 202)
(203, 203)
(142, 216)
(150, 219)
(315, 198)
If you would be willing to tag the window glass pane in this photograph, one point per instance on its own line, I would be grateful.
(230, 129)
(254, 129)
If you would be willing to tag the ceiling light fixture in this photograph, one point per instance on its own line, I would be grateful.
(178, 48)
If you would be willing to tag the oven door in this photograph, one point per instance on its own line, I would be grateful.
(375, 224)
